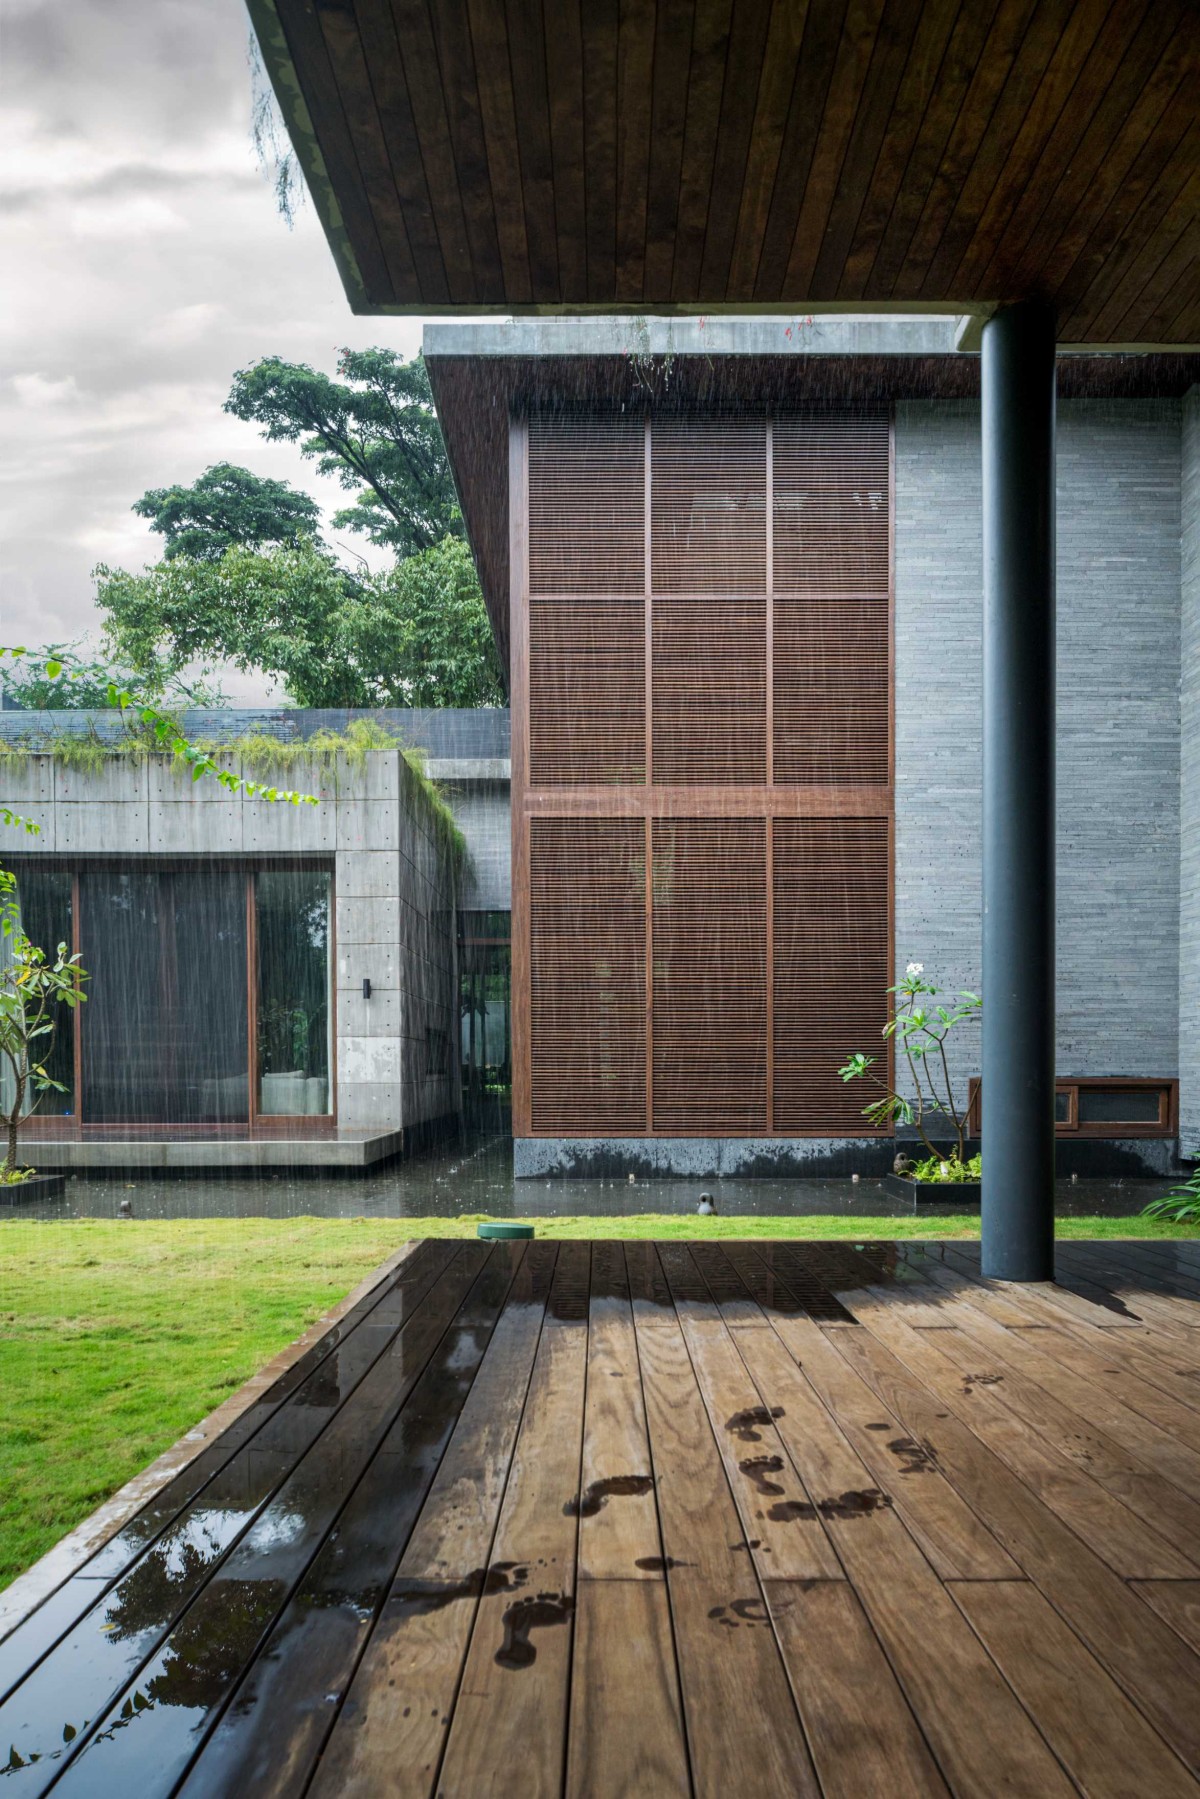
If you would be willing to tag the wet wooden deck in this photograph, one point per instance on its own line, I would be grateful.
(643, 1519)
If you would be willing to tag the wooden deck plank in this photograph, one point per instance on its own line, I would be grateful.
(183, 1686)
(779, 1521)
(618, 1519)
(1143, 1656)
(738, 1706)
(1178, 1601)
(864, 1739)
(1133, 1548)
(947, 1530)
(626, 1735)
(510, 1717)
(1102, 1740)
(270, 1735)
(975, 1728)
(668, 1519)
(391, 1729)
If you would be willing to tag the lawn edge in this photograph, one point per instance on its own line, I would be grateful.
(23, 1595)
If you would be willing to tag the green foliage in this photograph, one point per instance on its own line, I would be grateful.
(920, 1033)
(1181, 1205)
(413, 635)
(32, 988)
(160, 732)
(228, 505)
(940, 1169)
(375, 431)
(37, 681)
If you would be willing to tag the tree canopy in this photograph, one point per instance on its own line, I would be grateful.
(228, 505)
(375, 431)
(416, 634)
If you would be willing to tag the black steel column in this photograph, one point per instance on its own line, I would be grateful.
(1018, 794)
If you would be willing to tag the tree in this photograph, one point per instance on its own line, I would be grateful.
(28, 683)
(413, 635)
(33, 986)
(228, 505)
(375, 431)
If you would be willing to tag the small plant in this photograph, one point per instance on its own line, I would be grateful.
(920, 1033)
(1181, 1205)
(940, 1169)
(32, 988)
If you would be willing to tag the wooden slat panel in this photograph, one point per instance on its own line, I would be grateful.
(708, 507)
(830, 508)
(831, 684)
(710, 690)
(831, 966)
(710, 979)
(587, 976)
(586, 506)
(587, 691)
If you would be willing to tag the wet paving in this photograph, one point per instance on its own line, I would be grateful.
(391, 1575)
(475, 1176)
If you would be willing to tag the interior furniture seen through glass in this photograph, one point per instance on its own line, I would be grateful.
(293, 1013)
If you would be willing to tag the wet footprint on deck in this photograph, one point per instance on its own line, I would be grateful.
(617, 1486)
(516, 1651)
(742, 1424)
(759, 1468)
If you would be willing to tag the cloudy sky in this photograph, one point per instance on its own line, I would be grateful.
(143, 262)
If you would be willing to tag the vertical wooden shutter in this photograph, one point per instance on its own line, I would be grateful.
(710, 691)
(830, 509)
(587, 691)
(708, 500)
(831, 690)
(587, 1010)
(710, 975)
(831, 967)
(587, 497)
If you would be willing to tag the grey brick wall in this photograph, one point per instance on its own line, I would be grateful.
(1189, 858)
(1118, 718)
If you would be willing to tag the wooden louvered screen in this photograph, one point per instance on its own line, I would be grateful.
(587, 506)
(830, 510)
(708, 506)
(710, 691)
(831, 690)
(831, 957)
(587, 997)
(587, 691)
(710, 975)
(708, 666)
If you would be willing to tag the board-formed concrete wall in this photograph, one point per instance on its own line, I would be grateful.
(1189, 856)
(1118, 721)
(394, 885)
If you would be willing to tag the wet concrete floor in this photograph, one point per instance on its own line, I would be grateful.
(475, 1176)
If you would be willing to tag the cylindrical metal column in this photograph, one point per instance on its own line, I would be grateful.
(1018, 794)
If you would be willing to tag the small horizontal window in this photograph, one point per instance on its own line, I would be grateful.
(1096, 1106)
(1119, 1105)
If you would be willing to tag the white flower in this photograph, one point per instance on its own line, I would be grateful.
(914, 969)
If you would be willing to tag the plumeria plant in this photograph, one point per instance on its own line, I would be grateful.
(919, 1029)
(33, 985)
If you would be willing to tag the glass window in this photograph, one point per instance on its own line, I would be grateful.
(1062, 1108)
(484, 978)
(294, 1015)
(44, 897)
(1119, 1105)
(164, 1030)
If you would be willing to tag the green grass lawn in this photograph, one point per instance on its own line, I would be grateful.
(117, 1338)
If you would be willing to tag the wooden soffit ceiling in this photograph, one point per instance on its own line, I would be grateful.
(650, 155)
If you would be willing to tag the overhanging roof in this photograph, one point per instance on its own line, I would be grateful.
(931, 154)
(483, 373)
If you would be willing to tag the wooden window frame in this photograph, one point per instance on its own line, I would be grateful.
(1167, 1124)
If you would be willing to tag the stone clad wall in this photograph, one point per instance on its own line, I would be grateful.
(1189, 860)
(393, 883)
(1118, 720)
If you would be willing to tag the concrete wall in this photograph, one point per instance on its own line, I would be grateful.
(1189, 858)
(1118, 715)
(394, 888)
